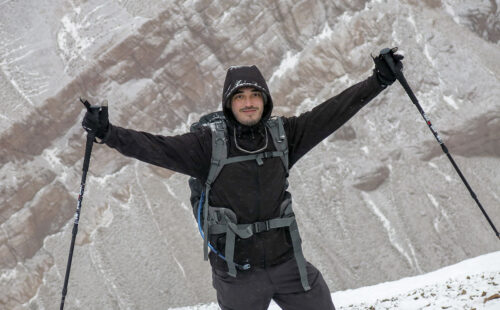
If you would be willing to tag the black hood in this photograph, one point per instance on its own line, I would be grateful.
(244, 76)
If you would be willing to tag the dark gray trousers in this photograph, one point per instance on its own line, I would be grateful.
(254, 289)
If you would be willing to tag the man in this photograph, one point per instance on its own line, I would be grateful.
(254, 191)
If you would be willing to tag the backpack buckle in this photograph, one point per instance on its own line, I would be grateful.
(267, 155)
(259, 227)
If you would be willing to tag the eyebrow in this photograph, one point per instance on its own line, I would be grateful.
(239, 91)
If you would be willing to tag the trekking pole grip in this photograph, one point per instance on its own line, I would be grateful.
(88, 151)
(386, 54)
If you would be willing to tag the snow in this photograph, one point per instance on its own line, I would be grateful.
(446, 177)
(15, 84)
(327, 33)
(289, 62)
(10, 274)
(441, 210)
(391, 231)
(449, 100)
(449, 9)
(75, 46)
(474, 276)
(466, 285)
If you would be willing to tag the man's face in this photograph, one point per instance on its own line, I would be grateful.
(247, 105)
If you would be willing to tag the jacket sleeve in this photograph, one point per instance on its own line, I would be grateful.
(308, 129)
(189, 153)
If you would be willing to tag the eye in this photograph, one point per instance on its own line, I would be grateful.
(257, 94)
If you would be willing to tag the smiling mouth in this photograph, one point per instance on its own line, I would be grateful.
(248, 110)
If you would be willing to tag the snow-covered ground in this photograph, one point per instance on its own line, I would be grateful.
(471, 284)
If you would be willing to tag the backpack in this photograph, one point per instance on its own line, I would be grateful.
(213, 220)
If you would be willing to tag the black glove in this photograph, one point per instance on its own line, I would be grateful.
(96, 119)
(384, 73)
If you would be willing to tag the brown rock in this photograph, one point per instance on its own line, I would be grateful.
(494, 296)
(372, 180)
(27, 230)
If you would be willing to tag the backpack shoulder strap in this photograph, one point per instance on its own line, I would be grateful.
(277, 130)
(219, 149)
(219, 154)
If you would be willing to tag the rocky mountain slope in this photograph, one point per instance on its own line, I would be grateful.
(376, 201)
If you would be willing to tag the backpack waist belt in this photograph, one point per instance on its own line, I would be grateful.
(223, 221)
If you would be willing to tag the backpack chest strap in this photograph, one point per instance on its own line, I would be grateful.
(258, 157)
(245, 231)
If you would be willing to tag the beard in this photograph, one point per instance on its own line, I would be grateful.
(249, 122)
(242, 119)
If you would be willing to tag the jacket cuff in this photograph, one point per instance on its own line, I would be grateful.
(106, 136)
(376, 78)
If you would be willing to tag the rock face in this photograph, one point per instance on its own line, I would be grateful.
(382, 203)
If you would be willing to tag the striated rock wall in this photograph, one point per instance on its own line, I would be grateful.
(376, 201)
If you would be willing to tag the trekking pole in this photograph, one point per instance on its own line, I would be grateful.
(86, 161)
(386, 53)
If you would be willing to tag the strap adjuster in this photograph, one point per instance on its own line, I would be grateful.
(259, 227)
(267, 155)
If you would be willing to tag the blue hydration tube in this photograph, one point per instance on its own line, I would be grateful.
(200, 207)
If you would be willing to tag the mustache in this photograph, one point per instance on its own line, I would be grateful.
(248, 109)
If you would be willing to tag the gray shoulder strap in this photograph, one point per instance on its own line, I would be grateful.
(219, 149)
(277, 130)
(219, 154)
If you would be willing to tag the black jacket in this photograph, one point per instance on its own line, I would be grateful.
(253, 192)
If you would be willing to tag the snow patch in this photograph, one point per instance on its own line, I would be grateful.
(69, 40)
(171, 191)
(428, 55)
(9, 274)
(327, 33)
(433, 200)
(440, 289)
(411, 20)
(446, 177)
(180, 266)
(391, 231)
(15, 85)
(50, 155)
(441, 211)
(289, 62)
(449, 9)
(449, 100)
(345, 80)
(306, 105)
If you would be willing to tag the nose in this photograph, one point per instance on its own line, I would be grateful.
(248, 101)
